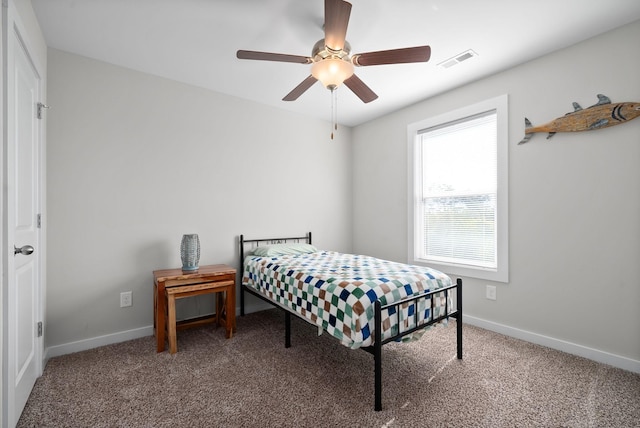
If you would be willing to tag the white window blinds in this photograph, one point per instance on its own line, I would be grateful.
(459, 191)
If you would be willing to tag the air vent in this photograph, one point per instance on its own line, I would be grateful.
(457, 59)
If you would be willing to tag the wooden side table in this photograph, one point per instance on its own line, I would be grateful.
(212, 278)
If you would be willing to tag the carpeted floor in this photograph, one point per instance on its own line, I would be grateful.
(251, 380)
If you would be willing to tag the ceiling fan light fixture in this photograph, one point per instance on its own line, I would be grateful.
(331, 61)
(332, 72)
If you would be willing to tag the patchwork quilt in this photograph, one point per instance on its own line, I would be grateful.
(337, 291)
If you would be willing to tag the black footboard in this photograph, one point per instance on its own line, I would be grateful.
(376, 349)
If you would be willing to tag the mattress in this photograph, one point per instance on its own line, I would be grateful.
(336, 292)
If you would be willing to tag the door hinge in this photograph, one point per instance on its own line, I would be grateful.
(39, 221)
(40, 107)
(40, 329)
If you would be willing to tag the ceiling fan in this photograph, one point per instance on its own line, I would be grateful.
(331, 60)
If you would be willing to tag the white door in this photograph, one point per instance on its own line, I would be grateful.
(24, 340)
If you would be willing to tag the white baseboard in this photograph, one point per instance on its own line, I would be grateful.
(123, 336)
(95, 342)
(560, 345)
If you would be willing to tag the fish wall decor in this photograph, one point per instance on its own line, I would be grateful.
(600, 115)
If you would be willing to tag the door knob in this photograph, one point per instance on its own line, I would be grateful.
(24, 250)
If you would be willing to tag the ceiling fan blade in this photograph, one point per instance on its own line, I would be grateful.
(300, 89)
(393, 56)
(336, 20)
(268, 56)
(360, 89)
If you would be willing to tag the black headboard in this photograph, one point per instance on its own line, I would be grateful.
(254, 243)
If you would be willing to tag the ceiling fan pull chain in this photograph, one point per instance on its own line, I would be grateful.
(334, 111)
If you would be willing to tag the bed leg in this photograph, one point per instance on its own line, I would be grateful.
(287, 329)
(377, 356)
(241, 300)
(459, 317)
(240, 282)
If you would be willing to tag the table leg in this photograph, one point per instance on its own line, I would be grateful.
(219, 318)
(233, 307)
(173, 340)
(160, 316)
(230, 311)
(216, 319)
(155, 305)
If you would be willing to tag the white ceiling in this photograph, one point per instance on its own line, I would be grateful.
(195, 41)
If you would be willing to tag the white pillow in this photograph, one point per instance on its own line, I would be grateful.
(284, 250)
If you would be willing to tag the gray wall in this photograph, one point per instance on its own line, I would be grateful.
(574, 204)
(135, 161)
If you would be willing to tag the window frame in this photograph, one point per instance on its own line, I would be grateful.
(501, 272)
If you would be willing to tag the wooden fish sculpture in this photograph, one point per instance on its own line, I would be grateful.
(600, 115)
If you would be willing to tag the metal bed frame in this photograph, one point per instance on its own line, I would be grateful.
(376, 348)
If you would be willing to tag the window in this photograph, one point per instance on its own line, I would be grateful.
(458, 191)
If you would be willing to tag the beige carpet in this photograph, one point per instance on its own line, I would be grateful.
(251, 380)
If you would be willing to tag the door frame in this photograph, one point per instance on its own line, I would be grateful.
(15, 32)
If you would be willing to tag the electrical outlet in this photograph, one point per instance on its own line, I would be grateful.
(125, 299)
(491, 292)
